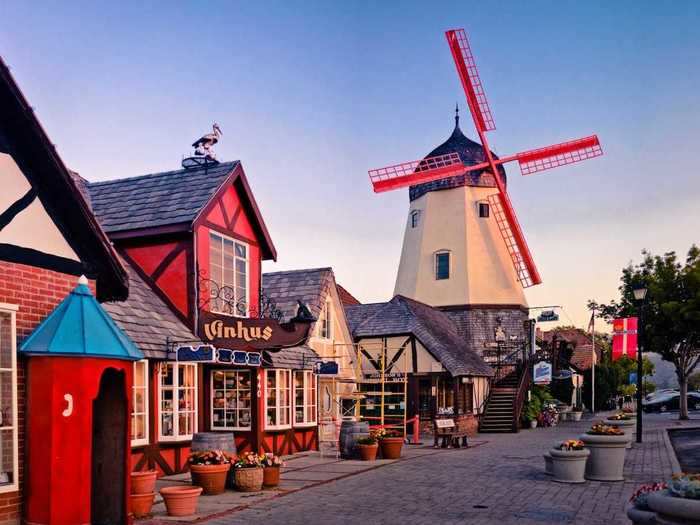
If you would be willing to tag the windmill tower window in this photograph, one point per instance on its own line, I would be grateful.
(442, 265)
(484, 210)
(415, 216)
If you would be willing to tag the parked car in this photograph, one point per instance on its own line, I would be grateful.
(663, 403)
(662, 392)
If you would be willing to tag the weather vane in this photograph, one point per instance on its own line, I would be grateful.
(204, 149)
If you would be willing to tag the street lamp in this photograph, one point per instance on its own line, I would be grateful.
(640, 293)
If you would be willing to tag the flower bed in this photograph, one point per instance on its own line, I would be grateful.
(679, 502)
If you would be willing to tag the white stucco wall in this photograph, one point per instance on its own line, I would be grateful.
(32, 227)
(481, 271)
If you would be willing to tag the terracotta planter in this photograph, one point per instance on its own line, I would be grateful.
(143, 482)
(249, 479)
(672, 509)
(368, 452)
(141, 504)
(391, 447)
(607, 457)
(627, 426)
(212, 478)
(181, 500)
(271, 476)
(569, 466)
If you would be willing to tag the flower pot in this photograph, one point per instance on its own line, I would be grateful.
(271, 476)
(547, 464)
(141, 504)
(672, 509)
(369, 452)
(391, 447)
(575, 415)
(249, 479)
(569, 466)
(181, 500)
(533, 423)
(607, 457)
(143, 482)
(212, 478)
(627, 426)
(640, 516)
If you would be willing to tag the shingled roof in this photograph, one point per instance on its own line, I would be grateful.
(157, 199)
(433, 328)
(295, 358)
(147, 320)
(308, 286)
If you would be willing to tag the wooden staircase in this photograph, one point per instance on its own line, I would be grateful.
(505, 401)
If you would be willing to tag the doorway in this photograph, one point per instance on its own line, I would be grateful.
(109, 428)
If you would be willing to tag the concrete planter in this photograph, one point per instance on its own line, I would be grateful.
(575, 415)
(569, 466)
(607, 457)
(640, 517)
(547, 464)
(671, 509)
(627, 427)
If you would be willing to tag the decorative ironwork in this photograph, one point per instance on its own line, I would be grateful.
(222, 299)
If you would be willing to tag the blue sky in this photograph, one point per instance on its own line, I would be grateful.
(311, 94)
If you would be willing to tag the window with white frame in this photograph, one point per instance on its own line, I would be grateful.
(178, 401)
(139, 414)
(442, 265)
(228, 268)
(230, 399)
(325, 324)
(304, 398)
(8, 399)
(278, 399)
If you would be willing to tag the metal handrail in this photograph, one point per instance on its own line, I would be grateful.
(523, 386)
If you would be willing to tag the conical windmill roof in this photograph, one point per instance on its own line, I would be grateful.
(80, 327)
(470, 153)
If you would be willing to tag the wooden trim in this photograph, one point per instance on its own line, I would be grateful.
(155, 231)
(228, 233)
(167, 260)
(16, 207)
(224, 213)
(236, 215)
(31, 257)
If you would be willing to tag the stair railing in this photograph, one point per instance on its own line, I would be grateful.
(523, 386)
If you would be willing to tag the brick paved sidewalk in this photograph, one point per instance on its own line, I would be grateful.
(500, 482)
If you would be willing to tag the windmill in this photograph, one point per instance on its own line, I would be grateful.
(440, 167)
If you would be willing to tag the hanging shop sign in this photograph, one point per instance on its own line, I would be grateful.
(327, 368)
(209, 354)
(547, 316)
(224, 331)
(542, 373)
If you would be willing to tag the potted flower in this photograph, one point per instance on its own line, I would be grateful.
(638, 510)
(575, 414)
(271, 470)
(680, 503)
(532, 410)
(180, 500)
(626, 422)
(607, 445)
(209, 469)
(390, 442)
(569, 461)
(248, 472)
(630, 412)
(368, 447)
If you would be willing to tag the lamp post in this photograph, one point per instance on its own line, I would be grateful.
(640, 293)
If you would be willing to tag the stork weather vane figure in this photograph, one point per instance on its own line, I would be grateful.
(451, 165)
(203, 147)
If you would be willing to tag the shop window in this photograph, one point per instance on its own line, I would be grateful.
(484, 210)
(445, 402)
(8, 399)
(228, 268)
(325, 322)
(304, 398)
(278, 399)
(230, 400)
(178, 401)
(415, 217)
(442, 265)
(139, 414)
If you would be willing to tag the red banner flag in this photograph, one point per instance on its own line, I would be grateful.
(624, 338)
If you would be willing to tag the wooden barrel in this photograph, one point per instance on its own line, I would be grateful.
(350, 432)
(214, 441)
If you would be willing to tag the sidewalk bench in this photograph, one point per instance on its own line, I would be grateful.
(450, 434)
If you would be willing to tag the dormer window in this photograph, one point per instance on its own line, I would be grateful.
(484, 210)
(415, 217)
(442, 265)
(228, 269)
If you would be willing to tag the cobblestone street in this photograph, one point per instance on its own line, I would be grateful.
(499, 481)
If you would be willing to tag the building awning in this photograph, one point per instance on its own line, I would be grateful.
(80, 327)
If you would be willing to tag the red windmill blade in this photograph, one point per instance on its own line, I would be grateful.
(450, 165)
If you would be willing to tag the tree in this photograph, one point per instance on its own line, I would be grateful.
(671, 312)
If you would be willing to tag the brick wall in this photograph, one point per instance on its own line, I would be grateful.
(36, 292)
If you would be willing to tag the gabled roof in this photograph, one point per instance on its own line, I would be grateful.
(346, 298)
(433, 328)
(80, 327)
(22, 136)
(147, 320)
(308, 286)
(173, 199)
